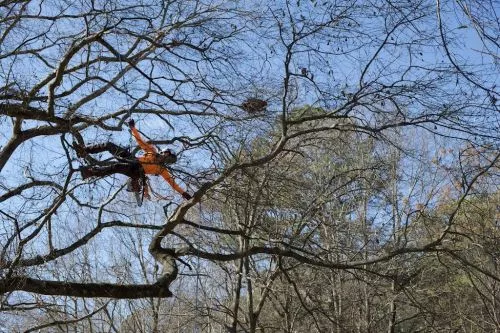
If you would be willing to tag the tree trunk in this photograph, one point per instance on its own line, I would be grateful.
(392, 311)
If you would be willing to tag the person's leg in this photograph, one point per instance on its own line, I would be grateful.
(109, 147)
(131, 170)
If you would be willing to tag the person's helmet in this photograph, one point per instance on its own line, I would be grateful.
(167, 156)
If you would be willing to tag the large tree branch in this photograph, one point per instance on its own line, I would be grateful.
(63, 125)
(18, 138)
(75, 289)
(306, 259)
(28, 112)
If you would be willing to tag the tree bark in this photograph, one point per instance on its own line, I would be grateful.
(75, 289)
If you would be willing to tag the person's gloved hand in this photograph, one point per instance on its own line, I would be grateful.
(186, 196)
(131, 123)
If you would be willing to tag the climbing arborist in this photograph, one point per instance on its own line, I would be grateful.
(153, 162)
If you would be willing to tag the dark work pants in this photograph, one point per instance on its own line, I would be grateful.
(129, 167)
(110, 147)
(132, 170)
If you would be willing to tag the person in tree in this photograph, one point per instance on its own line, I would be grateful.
(153, 162)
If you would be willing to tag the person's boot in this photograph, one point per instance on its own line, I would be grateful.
(96, 148)
(133, 185)
(129, 187)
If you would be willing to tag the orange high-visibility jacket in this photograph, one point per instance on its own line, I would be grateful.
(150, 162)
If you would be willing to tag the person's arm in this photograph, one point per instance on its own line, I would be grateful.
(143, 144)
(169, 179)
